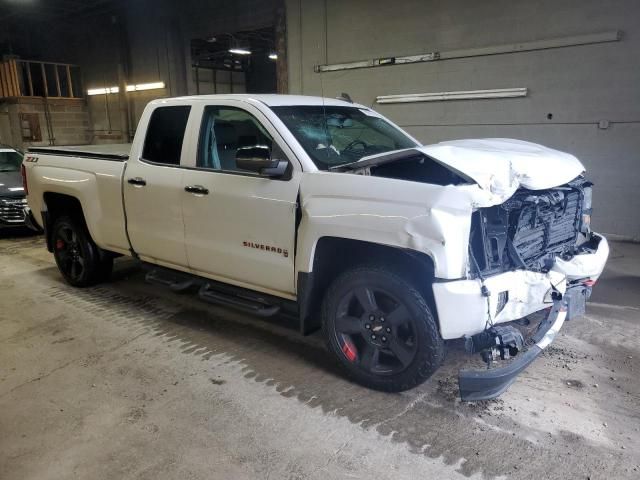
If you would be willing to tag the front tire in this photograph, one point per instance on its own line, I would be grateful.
(381, 329)
(79, 259)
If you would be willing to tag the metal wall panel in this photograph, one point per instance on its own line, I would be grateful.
(583, 98)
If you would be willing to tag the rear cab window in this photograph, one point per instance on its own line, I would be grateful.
(165, 135)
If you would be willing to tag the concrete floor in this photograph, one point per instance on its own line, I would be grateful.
(126, 380)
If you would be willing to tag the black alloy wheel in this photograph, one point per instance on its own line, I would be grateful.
(71, 258)
(381, 329)
(79, 259)
(375, 330)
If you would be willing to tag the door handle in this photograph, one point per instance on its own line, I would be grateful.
(196, 189)
(137, 181)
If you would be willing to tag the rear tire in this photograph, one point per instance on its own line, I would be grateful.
(80, 261)
(381, 329)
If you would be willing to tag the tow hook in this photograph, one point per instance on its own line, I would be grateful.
(500, 342)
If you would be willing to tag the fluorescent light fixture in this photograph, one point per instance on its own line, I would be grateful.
(544, 44)
(130, 88)
(273, 56)
(145, 86)
(102, 91)
(240, 51)
(458, 95)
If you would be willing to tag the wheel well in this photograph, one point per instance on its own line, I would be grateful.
(59, 204)
(335, 255)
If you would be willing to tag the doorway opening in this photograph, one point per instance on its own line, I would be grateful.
(239, 62)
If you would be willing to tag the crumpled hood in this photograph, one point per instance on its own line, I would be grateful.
(11, 184)
(501, 165)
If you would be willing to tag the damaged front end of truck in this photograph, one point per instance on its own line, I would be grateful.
(530, 249)
(537, 231)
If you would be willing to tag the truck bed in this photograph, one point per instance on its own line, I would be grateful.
(91, 174)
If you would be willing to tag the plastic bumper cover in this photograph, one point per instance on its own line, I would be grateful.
(478, 385)
(585, 265)
(30, 220)
(463, 310)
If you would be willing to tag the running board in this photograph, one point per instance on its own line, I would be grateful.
(254, 305)
(175, 281)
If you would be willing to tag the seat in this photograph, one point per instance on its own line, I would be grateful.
(209, 157)
(226, 143)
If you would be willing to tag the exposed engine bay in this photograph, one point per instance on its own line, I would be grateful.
(410, 165)
(531, 229)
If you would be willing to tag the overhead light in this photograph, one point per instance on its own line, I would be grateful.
(145, 86)
(102, 91)
(273, 56)
(240, 51)
(457, 95)
(130, 88)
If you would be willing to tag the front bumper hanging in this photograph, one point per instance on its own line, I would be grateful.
(478, 385)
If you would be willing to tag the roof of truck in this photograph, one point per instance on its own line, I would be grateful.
(272, 100)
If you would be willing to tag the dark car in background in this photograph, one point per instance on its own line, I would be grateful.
(12, 195)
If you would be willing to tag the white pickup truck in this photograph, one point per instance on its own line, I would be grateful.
(273, 203)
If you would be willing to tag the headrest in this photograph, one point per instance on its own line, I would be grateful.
(225, 133)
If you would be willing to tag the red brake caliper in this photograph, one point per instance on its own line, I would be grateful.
(59, 244)
(349, 349)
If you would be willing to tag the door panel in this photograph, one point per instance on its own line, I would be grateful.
(153, 190)
(242, 230)
(154, 213)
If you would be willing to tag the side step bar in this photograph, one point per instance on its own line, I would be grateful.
(249, 305)
(215, 292)
(174, 280)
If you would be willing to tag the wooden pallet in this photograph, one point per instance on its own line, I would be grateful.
(9, 83)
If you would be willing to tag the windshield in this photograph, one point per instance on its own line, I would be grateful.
(335, 136)
(10, 160)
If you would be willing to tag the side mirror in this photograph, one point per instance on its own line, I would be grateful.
(258, 159)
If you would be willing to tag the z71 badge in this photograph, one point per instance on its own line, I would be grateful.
(267, 248)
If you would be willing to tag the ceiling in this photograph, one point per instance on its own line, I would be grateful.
(53, 10)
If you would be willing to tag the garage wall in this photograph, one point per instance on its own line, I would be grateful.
(69, 121)
(580, 86)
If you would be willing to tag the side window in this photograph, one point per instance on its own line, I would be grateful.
(224, 130)
(165, 133)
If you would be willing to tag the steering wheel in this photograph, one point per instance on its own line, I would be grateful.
(350, 146)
